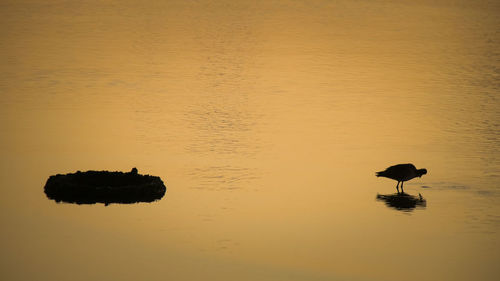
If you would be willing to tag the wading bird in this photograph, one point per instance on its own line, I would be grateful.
(402, 173)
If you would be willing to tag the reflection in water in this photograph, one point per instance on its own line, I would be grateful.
(403, 201)
(104, 187)
(222, 119)
(222, 177)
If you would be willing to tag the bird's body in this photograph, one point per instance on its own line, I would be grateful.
(401, 173)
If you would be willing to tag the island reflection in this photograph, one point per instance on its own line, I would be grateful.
(403, 201)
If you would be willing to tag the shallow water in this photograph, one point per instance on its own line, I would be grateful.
(267, 121)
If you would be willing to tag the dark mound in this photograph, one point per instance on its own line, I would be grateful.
(402, 201)
(104, 187)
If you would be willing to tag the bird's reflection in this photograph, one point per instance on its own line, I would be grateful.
(403, 201)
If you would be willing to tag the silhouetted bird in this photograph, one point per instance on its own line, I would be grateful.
(402, 173)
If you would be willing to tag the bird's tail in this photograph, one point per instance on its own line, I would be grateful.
(379, 174)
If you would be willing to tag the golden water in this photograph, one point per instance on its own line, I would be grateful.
(267, 121)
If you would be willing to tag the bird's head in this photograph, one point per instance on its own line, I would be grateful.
(421, 172)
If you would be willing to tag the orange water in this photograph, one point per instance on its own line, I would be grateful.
(267, 121)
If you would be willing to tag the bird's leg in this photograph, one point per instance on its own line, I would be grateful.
(402, 190)
(397, 186)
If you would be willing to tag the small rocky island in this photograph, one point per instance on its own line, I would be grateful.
(104, 187)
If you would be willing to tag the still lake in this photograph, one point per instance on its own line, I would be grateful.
(267, 121)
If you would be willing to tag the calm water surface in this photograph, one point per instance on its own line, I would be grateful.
(267, 121)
